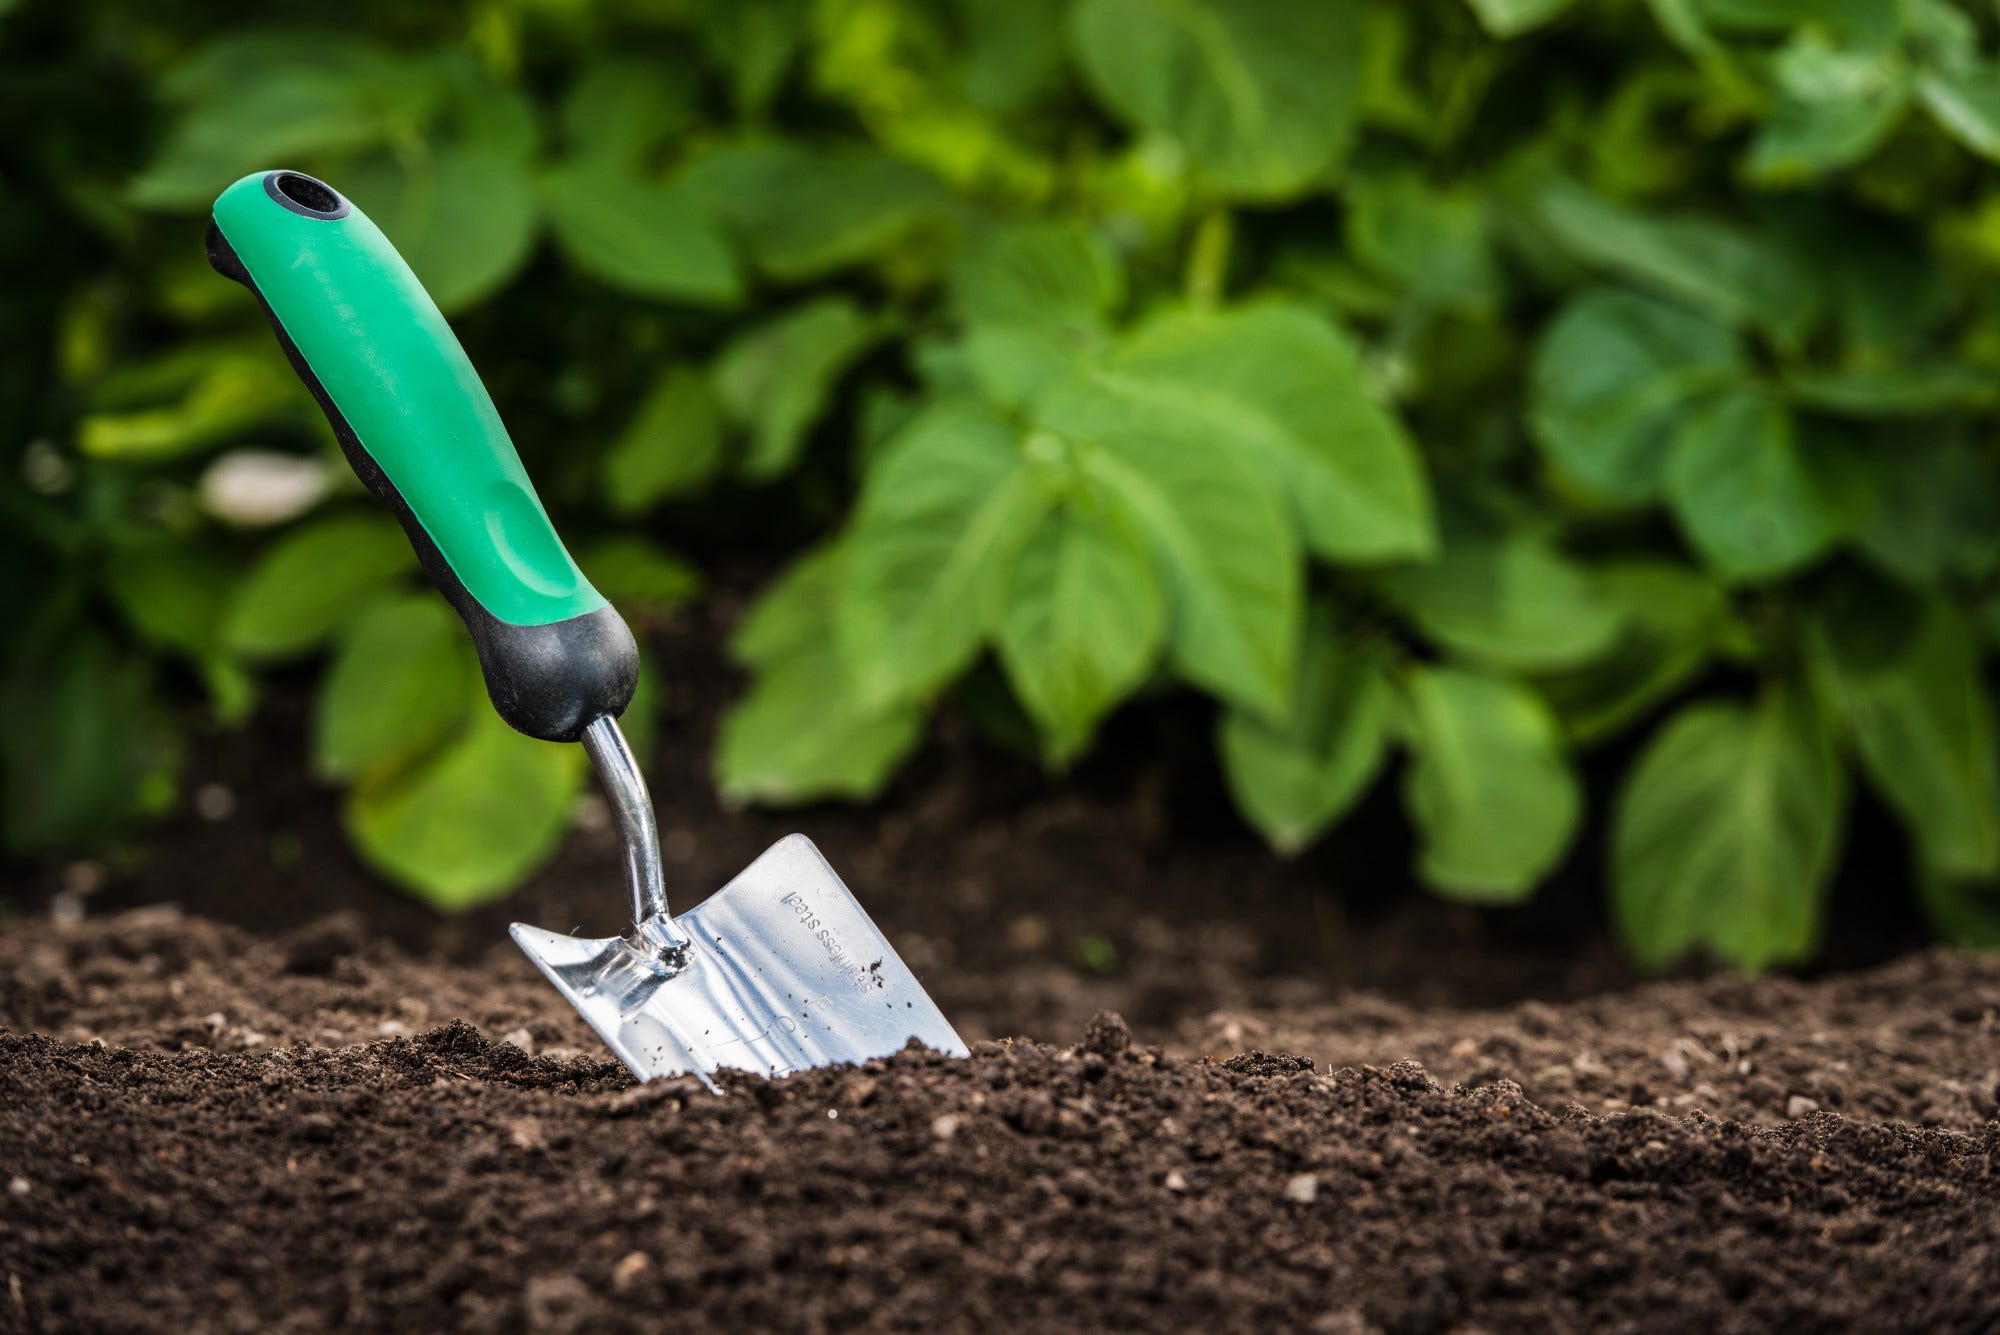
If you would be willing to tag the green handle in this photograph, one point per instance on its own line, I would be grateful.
(421, 431)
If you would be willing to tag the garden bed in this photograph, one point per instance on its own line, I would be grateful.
(206, 1129)
(297, 1101)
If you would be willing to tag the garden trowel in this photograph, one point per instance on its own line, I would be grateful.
(778, 971)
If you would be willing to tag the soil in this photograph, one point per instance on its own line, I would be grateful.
(292, 1100)
(208, 1130)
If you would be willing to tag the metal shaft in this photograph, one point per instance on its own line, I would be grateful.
(638, 833)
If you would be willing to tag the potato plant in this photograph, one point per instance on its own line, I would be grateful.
(1443, 389)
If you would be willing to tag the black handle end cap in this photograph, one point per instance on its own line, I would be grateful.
(552, 681)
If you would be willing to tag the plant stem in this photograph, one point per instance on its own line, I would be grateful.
(1208, 257)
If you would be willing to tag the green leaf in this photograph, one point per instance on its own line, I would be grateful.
(1684, 26)
(1613, 379)
(1259, 94)
(1886, 292)
(1725, 833)
(671, 447)
(621, 108)
(1906, 391)
(401, 683)
(1036, 272)
(1805, 138)
(1009, 365)
(1294, 778)
(799, 737)
(1083, 621)
(308, 583)
(755, 41)
(1924, 731)
(186, 402)
(1285, 387)
(477, 112)
(940, 516)
(1936, 513)
(641, 236)
(1671, 619)
(1967, 104)
(1510, 18)
(1744, 489)
(1431, 242)
(465, 826)
(173, 593)
(1324, 275)
(89, 747)
(1509, 601)
(1492, 795)
(464, 217)
(1214, 519)
(1708, 265)
(803, 213)
(802, 733)
(639, 576)
(1835, 107)
(790, 617)
(263, 98)
(774, 381)
(1014, 51)
(1862, 22)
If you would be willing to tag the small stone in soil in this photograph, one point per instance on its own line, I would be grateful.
(556, 1303)
(1302, 1188)
(1799, 1105)
(1107, 1034)
(1028, 933)
(629, 1269)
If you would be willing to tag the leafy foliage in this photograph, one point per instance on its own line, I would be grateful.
(1725, 832)
(1444, 389)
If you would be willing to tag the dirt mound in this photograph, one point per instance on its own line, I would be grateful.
(206, 1130)
(448, 1180)
(1916, 1040)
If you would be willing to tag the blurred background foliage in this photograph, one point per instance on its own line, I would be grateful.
(1445, 389)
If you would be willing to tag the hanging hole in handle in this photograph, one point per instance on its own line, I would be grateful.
(302, 194)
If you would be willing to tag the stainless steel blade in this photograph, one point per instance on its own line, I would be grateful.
(784, 971)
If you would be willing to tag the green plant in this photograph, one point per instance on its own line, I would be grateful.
(1475, 383)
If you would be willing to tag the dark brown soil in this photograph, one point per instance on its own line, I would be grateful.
(293, 1100)
(205, 1130)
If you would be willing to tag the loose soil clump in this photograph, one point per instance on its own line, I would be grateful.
(205, 1130)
